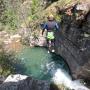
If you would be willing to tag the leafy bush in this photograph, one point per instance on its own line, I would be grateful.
(8, 16)
(10, 19)
(7, 61)
(35, 4)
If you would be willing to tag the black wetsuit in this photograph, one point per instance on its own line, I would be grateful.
(51, 26)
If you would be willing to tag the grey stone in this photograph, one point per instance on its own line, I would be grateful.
(26, 84)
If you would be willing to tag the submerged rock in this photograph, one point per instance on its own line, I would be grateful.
(21, 82)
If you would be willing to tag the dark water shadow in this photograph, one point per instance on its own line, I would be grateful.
(19, 67)
(61, 62)
(54, 87)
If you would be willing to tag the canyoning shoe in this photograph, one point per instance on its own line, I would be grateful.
(48, 51)
(53, 50)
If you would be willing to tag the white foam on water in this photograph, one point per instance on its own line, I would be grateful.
(61, 77)
(15, 78)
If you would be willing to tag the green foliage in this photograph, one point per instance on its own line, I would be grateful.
(8, 16)
(32, 18)
(15, 13)
(35, 8)
(11, 19)
(64, 3)
(1, 6)
(58, 17)
(1, 27)
(35, 4)
(7, 60)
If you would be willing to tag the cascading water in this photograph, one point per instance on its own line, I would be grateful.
(36, 62)
(61, 77)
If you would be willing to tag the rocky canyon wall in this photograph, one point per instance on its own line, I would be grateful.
(73, 39)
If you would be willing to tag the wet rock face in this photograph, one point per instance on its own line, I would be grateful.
(26, 84)
(73, 41)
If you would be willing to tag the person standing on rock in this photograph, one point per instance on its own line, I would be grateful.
(50, 26)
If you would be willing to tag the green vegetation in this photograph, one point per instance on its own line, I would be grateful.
(11, 19)
(7, 61)
(8, 16)
(34, 6)
(14, 14)
(26, 13)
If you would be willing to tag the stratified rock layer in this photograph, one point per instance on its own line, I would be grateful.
(73, 40)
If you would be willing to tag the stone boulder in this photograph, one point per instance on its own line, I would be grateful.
(21, 82)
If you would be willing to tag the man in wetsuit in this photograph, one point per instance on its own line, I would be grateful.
(51, 26)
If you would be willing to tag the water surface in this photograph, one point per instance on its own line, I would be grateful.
(39, 64)
(36, 62)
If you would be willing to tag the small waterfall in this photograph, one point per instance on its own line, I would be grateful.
(61, 77)
(43, 66)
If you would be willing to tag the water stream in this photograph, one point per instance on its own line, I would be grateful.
(36, 62)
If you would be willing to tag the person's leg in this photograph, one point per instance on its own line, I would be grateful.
(53, 45)
(53, 42)
(49, 45)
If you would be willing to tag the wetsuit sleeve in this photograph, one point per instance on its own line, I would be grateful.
(56, 26)
(44, 27)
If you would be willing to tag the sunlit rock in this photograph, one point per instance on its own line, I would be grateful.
(15, 78)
